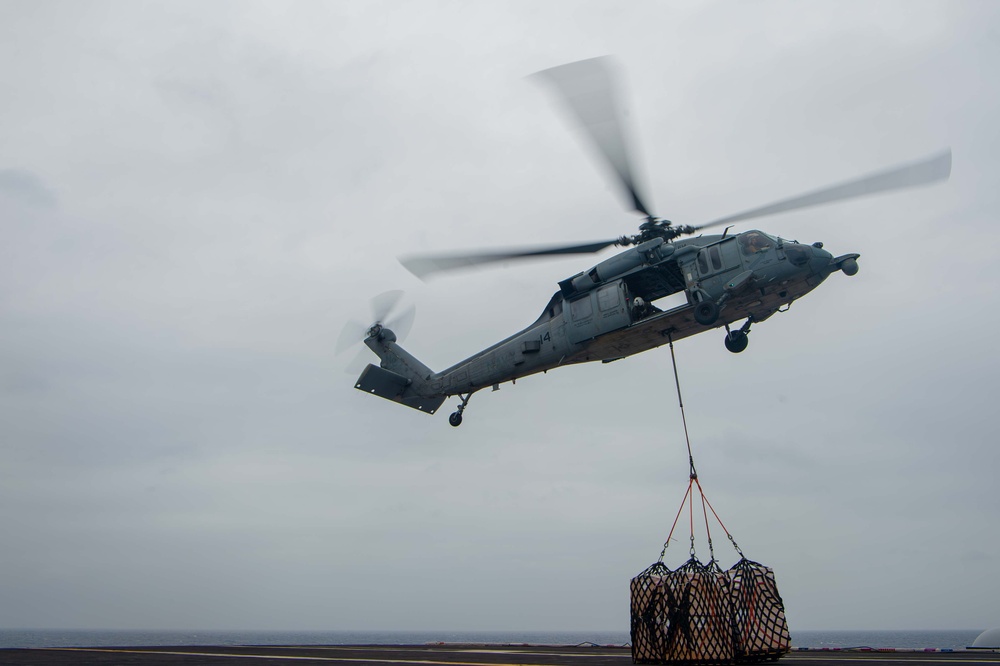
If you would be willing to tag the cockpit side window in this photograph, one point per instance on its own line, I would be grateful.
(753, 242)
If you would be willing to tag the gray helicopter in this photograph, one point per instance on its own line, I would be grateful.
(608, 312)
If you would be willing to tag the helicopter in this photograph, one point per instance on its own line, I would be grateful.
(608, 312)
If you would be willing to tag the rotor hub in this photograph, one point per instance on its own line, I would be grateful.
(655, 227)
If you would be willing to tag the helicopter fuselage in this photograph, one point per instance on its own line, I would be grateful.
(607, 313)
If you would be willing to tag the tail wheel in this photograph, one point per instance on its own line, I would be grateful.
(455, 419)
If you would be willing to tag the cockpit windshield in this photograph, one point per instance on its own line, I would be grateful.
(753, 242)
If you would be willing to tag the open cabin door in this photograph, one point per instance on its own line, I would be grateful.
(599, 311)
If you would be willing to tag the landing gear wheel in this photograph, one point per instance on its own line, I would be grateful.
(706, 313)
(456, 417)
(736, 341)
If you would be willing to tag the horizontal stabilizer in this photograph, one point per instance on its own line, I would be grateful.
(386, 384)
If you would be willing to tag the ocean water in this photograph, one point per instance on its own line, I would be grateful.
(24, 638)
(954, 640)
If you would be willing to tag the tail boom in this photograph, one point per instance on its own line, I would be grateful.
(401, 377)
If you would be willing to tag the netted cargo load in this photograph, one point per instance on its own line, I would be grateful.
(650, 612)
(759, 627)
(686, 617)
(700, 614)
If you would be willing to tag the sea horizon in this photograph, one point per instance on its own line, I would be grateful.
(820, 639)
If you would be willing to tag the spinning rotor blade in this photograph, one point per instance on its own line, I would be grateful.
(382, 307)
(383, 304)
(424, 265)
(358, 362)
(588, 89)
(402, 323)
(926, 171)
(352, 332)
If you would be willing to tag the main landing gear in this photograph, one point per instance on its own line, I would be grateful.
(737, 341)
(706, 312)
(455, 419)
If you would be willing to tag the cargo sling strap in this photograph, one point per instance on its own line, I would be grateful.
(693, 481)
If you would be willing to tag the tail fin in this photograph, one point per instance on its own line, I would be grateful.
(402, 378)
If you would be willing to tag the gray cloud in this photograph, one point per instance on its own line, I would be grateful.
(195, 200)
(26, 188)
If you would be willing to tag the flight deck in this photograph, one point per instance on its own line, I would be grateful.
(443, 655)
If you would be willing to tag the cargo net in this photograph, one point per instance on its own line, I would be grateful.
(700, 614)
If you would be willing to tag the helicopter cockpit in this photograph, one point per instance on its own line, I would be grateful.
(754, 242)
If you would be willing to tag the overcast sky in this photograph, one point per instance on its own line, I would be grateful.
(196, 197)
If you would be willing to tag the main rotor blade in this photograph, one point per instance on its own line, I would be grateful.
(588, 89)
(424, 265)
(924, 172)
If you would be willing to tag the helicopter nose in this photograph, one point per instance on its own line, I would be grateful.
(820, 259)
(820, 262)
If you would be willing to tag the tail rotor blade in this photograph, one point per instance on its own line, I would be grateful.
(357, 363)
(352, 333)
(383, 304)
(403, 322)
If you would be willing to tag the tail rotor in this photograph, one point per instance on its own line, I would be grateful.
(386, 315)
